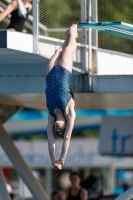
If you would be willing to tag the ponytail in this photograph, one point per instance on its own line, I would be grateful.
(72, 93)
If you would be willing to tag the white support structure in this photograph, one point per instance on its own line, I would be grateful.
(94, 19)
(35, 26)
(21, 166)
(48, 175)
(3, 189)
(90, 44)
(94, 38)
(112, 176)
(128, 195)
(83, 37)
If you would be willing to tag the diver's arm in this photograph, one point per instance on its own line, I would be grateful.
(50, 135)
(67, 136)
(11, 7)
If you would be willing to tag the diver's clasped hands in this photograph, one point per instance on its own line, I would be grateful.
(57, 164)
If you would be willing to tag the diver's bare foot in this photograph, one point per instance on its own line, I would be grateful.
(73, 29)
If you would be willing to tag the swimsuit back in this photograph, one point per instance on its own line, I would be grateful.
(58, 89)
(17, 22)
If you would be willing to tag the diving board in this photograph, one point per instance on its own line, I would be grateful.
(120, 29)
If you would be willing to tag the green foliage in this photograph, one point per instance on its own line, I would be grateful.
(115, 10)
(87, 134)
(61, 14)
(3, 25)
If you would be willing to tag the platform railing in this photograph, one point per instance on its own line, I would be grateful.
(85, 14)
(35, 26)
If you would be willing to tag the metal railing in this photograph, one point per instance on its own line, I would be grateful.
(87, 40)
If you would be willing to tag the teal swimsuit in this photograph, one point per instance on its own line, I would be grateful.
(58, 89)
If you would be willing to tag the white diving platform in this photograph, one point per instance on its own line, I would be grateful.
(120, 29)
(22, 72)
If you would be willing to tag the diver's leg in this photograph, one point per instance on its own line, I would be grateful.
(54, 60)
(66, 58)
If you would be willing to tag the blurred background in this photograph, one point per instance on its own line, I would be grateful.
(114, 174)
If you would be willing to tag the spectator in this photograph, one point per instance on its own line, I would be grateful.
(17, 20)
(75, 192)
(90, 184)
(55, 195)
(61, 195)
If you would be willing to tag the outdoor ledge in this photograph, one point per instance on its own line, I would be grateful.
(82, 101)
(16, 41)
(17, 58)
(112, 83)
(21, 71)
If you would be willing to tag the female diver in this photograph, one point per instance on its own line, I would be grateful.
(59, 96)
(18, 16)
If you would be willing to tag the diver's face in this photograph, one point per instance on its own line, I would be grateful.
(60, 126)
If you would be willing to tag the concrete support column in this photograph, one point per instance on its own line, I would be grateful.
(83, 37)
(48, 176)
(94, 37)
(21, 166)
(86, 172)
(90, 44)
(35, 26)
(94, 7)
(111, 177)
(3, 189)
